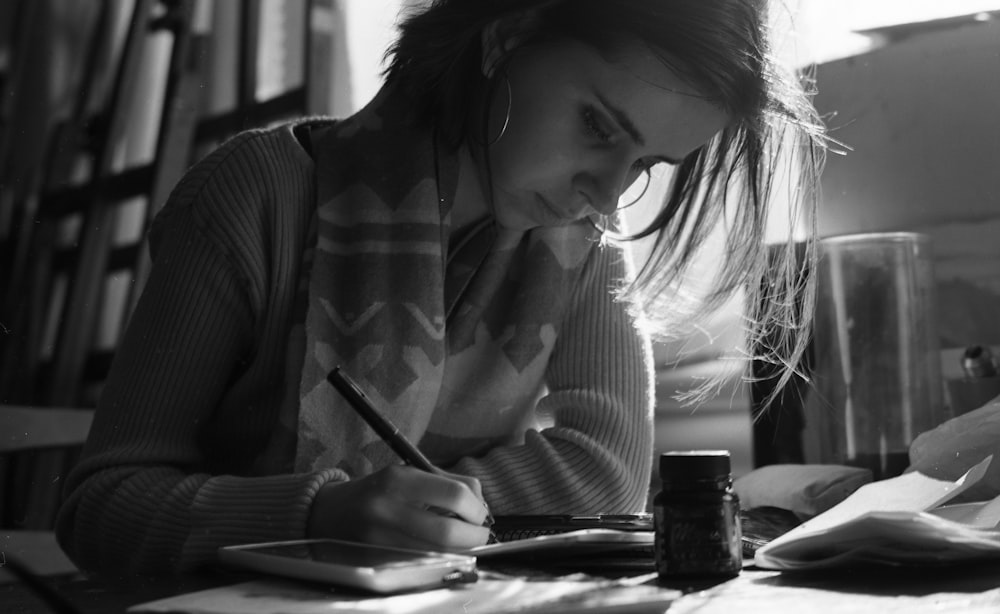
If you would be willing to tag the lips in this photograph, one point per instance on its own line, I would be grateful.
(556, 214)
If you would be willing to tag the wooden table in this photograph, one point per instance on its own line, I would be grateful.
(965, 589)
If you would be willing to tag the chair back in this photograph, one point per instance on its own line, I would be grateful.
(153, 95)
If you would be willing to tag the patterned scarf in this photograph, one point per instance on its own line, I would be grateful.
(381, 289)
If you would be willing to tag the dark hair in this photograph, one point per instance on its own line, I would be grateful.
(721, 48)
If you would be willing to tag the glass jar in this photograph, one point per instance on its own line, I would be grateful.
(876, 352)
(697, 517)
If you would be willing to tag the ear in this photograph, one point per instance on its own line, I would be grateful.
(503, 36)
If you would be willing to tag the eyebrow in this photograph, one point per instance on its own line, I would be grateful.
(628, 126)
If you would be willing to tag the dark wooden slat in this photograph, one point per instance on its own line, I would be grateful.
(122, 258)
(249, 51)
(135, 181)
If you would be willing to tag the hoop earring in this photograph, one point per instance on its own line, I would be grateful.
(506, 119)
(645, 188)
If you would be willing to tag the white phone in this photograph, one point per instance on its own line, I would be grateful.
(379, 569)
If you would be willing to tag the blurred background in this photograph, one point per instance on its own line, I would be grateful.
(103, 104)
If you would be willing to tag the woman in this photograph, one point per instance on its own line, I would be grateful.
(443, 247)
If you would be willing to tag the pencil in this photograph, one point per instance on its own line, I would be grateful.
(384, 428)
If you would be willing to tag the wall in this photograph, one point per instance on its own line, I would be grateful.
(370, 30)
(921, 116)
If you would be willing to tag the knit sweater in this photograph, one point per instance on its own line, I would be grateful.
(187, 452)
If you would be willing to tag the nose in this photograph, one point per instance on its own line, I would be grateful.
(599, 190)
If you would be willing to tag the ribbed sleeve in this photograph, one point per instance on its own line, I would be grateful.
(168, 475)
(596, 457)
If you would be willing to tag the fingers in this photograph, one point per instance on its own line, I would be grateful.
(447, 494)
(476, 488)
(469, 481)
(402, 506)
(430, 530)
(411, 525)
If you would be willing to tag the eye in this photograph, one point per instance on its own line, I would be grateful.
(593, 124)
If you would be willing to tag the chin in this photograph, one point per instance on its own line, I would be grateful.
(516, 221)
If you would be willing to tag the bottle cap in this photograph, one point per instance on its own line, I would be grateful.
(977, 361)
(695, 464)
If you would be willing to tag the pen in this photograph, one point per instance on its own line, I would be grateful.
(379, 423)
(383, 427)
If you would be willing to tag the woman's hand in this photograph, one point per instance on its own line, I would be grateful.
(404, 507)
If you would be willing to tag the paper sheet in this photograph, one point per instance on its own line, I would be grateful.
(494, 593)
(893, 522)
(910, 492)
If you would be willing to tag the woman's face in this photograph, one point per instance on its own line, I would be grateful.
(582, 128)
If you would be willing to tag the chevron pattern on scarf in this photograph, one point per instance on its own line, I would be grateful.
(377, 304)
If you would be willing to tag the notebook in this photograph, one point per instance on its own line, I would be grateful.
(760, 526)
(606, 541)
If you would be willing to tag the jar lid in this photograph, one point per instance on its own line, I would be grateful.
(695, 464)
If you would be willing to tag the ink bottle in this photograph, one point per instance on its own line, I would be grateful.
(696, 517)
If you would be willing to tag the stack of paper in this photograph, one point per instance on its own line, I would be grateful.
(899, 521)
